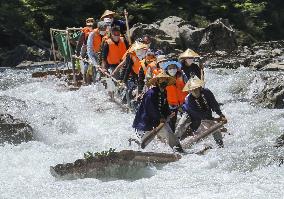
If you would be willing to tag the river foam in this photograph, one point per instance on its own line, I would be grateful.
(69, 123)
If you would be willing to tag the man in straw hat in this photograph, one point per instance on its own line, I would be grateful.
(108, 17)
(191, 69)
(131, 68)
(154, 110)
(198, 106)
(132, 62)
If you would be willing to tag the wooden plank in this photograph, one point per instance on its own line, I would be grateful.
(64, 71)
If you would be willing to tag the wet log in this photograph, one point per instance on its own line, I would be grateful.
(110, 165)
(64, 71)
(188, 142)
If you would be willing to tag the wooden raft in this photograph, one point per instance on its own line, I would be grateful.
(108, 165)
(52, 72)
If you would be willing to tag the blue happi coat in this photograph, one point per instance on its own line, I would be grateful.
(201, 108)
(153, 107)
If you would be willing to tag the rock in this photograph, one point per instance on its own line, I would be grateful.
(219, 35)
(191, 38)
(276, 52)
(173, 25)
(273, 67)
(260, 63)
(14, 131)
(160, 40)
(174, 34)
(279, 141)
(221, 53)
(31, 64)
(269, 90)
(24, 53)
(263, 56)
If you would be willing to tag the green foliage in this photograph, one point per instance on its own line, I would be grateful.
(89, 155)
(22, 21)
(200, 21)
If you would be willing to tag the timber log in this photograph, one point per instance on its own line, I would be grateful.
(110, 165)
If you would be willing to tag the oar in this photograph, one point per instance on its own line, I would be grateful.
(98, 67)
(127, 26)
(188, 142)
(149, 136)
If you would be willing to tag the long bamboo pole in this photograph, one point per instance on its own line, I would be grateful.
(71, 57)
(127, 27)
(99, 68)
(53, 49)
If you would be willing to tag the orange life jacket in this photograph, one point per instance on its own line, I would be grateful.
(97, 40)
(150, 70)
(115, 51)
(175, 95)
(86, 31)
(136, 63)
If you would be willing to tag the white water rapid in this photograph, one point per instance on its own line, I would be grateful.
(68, 123)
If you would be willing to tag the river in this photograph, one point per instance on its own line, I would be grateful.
(69, 123)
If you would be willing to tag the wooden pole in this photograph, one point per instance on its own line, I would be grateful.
(201, 66)
(187, 143)
(127, 27)
(99, 68)
(53, 48)
(71, 57)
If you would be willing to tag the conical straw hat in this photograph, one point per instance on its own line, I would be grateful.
(188, 54)
(164, 76)
(107, 12)
(161, 58)
(138, 45)
(192, 84)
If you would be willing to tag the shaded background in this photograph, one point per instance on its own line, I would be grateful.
(28, 21)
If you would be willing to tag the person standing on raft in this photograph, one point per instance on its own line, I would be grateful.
(154, 110)
(198, 106)
(189, 67)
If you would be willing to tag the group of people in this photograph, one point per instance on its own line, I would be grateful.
(164, 87)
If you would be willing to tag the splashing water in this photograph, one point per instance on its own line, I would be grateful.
(69, 123)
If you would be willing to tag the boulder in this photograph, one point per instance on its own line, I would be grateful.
(173, 34)
(23, 53)
(269, 90)
(219, 35)
(264, 56)
(14, 131)
(279, 141)
(173, 25)
(160, 40)
(273, 67)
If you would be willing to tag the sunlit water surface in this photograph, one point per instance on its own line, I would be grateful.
(69, 123)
